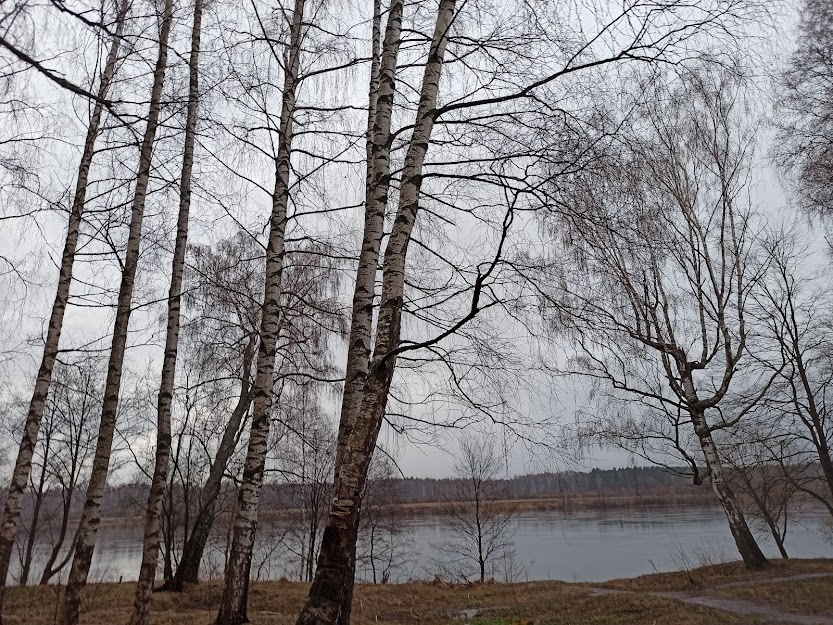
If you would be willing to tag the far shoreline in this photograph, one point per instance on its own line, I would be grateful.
(567, 504)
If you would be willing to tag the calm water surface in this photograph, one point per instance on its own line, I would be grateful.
(591, 545)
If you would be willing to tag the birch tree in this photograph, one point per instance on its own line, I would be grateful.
(665, 240)
(90, 518)
(150, 551)
(331, 591)
(493, 102)
(23, 463)
(235, 591)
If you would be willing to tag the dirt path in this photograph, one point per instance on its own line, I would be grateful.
(767, 611)
(773, 580)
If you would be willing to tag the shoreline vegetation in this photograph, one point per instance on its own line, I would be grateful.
(573, 503)
(568, 490)
(798, 587)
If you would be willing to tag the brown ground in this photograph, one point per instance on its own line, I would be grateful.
(539, 603)
(813, 596)
(719, 574)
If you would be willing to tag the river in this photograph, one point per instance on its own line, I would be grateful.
(587, 545)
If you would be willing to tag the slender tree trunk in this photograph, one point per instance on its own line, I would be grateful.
(150, 550)
(761, 504)
(377, 185)
(33, 527)
(189, 563)
(50, 570)
(481, 559)
(747, 546)
(90, 517)
(776, 535)
(816, 426)
(334, 578)
(235, 592)
(23, 463)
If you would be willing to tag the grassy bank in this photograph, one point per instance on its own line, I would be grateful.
(539, 603)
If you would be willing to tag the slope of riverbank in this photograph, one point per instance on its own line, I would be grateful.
(717, 595)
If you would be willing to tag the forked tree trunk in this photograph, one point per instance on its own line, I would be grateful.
(381, 92)
(775, 532)
(90, 517)
(33, 527)
(192, 551)
(150, 549)
(747, 546)
(34, 416)
(334, 576)
(236, 589)
(51, 569)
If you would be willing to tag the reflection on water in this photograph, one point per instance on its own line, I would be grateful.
(596, 545)
(591, 545)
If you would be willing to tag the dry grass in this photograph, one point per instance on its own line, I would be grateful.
(277, 603)
(576, 502)
(814, 596)
(709, 576)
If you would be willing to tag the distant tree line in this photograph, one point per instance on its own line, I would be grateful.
(125, 500)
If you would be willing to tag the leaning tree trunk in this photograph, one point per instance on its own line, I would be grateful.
(90, 517)
(818, 431)
(747, 546)
(236, 589)
(23, 463)
(334, 578)
(150, 550)
(188, 570)
(775, 532)
(763, 509)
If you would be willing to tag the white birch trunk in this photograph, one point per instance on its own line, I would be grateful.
(377, 186)
(150, 549)
(747, 546)
(90, 517)
(381, 94)
(23, 463)
(236, 589)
